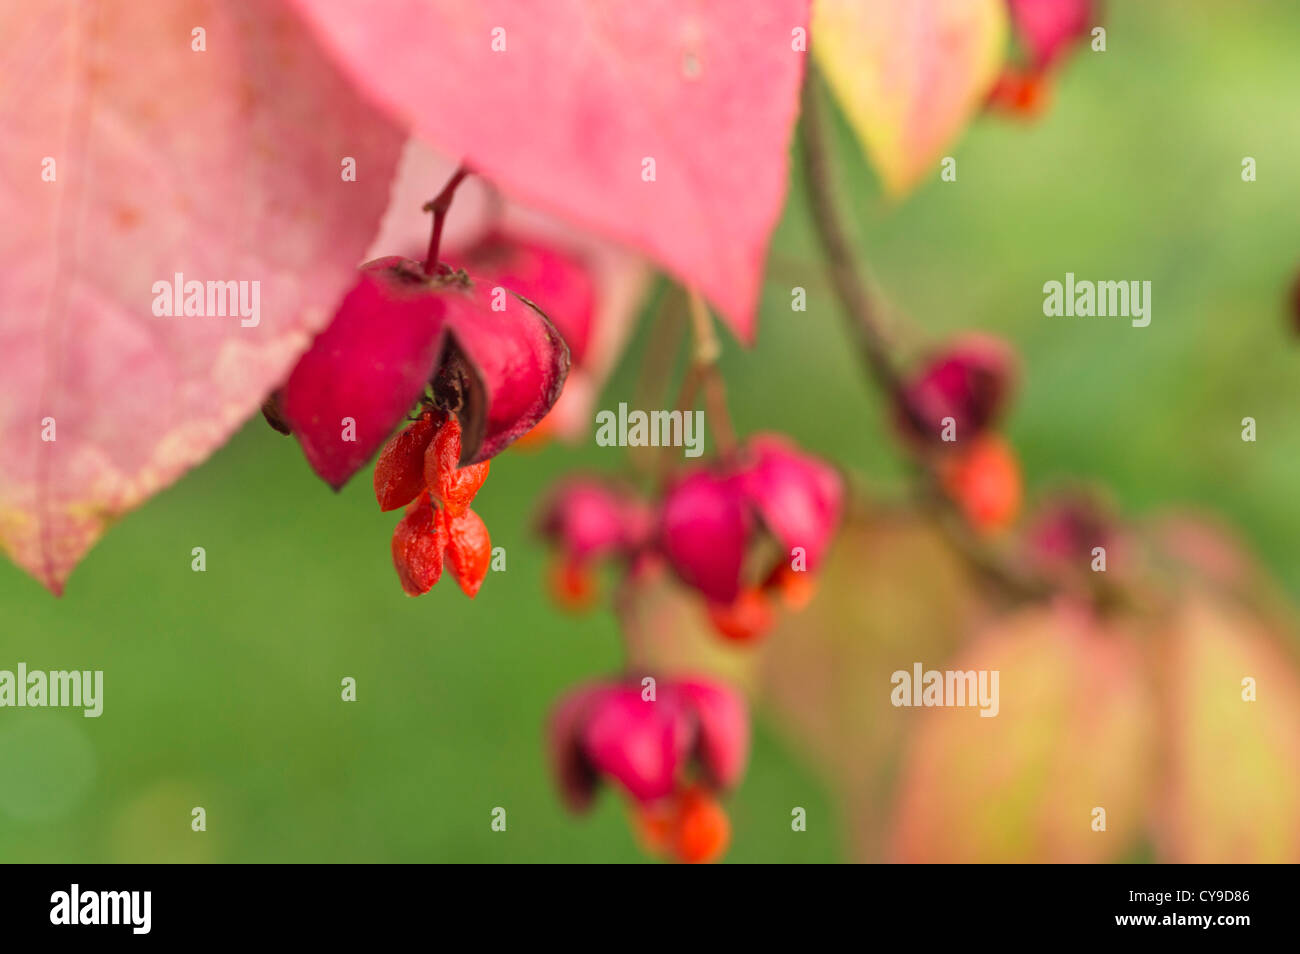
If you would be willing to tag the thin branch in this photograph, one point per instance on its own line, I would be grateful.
(667, 325)
(841, 257)
(704, 373)
(862, 317)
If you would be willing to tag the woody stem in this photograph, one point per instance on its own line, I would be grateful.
(841, 260)
(862, 317)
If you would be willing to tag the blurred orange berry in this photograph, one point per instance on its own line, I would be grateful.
(984, 480)
(795, 588)
(703, 829)
(537, 438)
(1021, 94)
(572, 585)
(690, 826)
(745, 619)
(654, 825)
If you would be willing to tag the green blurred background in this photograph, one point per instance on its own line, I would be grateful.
(222, 689)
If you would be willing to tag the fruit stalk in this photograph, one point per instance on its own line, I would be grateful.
(439, 205)
(704, 376)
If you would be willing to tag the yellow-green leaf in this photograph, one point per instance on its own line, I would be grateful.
(1072, 736)
(908, 75)
(1232, 764)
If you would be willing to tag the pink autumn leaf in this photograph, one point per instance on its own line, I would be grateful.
(620, 277)
(222, 165)
(661, 124)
